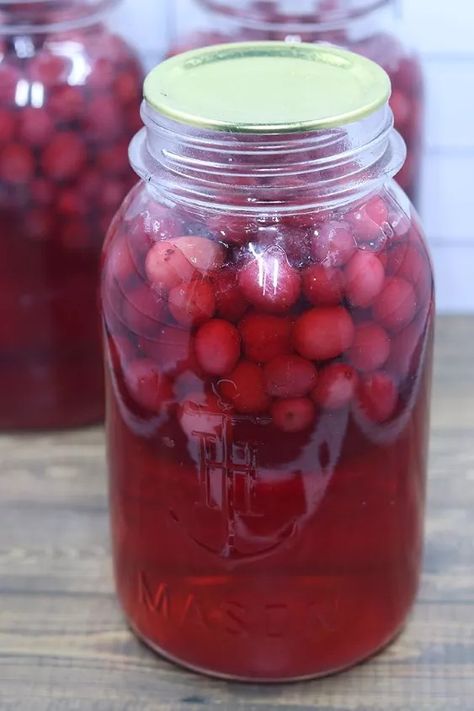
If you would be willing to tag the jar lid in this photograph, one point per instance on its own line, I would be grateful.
(267, 87)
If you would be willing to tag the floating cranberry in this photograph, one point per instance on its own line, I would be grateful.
(103, 120)
(64, 156)
(10, 77)
(36, 126)
(334, 244)
(148, 387)
(336, 386)
(396, 306)
(217, 347)
(102, 73)
(289, 376)
(8, 124)
(231, 304)
(323, 333)
(233, 229)
(49, 69)
(70, 202)
(167, 267)
(143, 311)
(416, 269)
(203, 254)
(192, 303)
(67, 103)
(369, 220)
(323, 286)
(365, 278)
(265, 337)
(293, 415)
(245, 389)
(170, 348)
(371, 347)
(127, 88)
(377, 396)
(269, 282)
(16, 164)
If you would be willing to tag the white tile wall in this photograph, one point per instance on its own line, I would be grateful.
(445, 38)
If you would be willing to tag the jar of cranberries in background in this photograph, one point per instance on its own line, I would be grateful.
(69, 104)
(369, 27)
(268, 312)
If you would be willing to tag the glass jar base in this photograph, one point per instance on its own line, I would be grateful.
(196, 669)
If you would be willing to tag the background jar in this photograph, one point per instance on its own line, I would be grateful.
(69, 96)
(370, 27)
(268, 312)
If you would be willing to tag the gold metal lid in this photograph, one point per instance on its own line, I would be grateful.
(267, 87)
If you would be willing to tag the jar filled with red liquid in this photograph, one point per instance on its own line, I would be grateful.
(69, 104)
(369, 27)
(268, 311)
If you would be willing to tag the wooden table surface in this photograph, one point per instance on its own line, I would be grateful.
(64, 645)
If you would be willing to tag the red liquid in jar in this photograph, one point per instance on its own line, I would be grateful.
(68, 107)
(267, 491)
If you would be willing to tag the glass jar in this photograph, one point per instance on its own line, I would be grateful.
(369, 27)
(69, 99)
(268, 311)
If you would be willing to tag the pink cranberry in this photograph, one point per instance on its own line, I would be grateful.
(231, 304)
(167, 267)
(217, 347)
(245, 389)
(49, 69)
(293, 415)
(289, 376)
(113, 159)
(127, 87)
(323, 333)
(369, 220)
(70, 202)
(378, 396)
(148, 387)
(396, 306)
(233, 229)
(334, 244)
(192, 303)
(203, 254)
(111, 195)
(67, 103)
(104, 121)
(17, 164)
(406, 349)
(415, 268)
(102, 73)
(170, 347)
(269, 282)
(336, 386)
(10, 76)
(143, 311)
(8, 122)
(64, 156)
(365, 278)
(323, 286)
(371, 347)
(265, 337)
(36, 126)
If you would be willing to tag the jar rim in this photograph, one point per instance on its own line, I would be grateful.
(237, 87)
(50, 15)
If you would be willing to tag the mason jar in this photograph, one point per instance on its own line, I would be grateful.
(70, 90)
(372, 28)
(268, 316)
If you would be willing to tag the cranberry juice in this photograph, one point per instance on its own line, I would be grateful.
(268, 391)
(68, 107)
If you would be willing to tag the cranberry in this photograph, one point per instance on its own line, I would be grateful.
(64, 156)
(67, 103)
(192, 303)
(10, 76)
(170, 347)
(204, 254)
(231, 304)
(167, 267)
(371, 347)
(377, 396)
(336, 386)
(127, 88)
(365, 277)
(245, 389)
(265, 337)
(113, 159)
(8, 123)
(294, 414)
(323, 333)
(289, 376)
(39, 224)
(369, 220)
(396, 306)
(232, 229)
(103, 119)
(217, 347)
(148, 387)
(42, 191)
(269, 282)
(102, 73)
(415, 268)
(17, 164)
(49, 69)
(143, 311)
(70, 202)
(36, 126)
(334, 244)
(323, 286)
